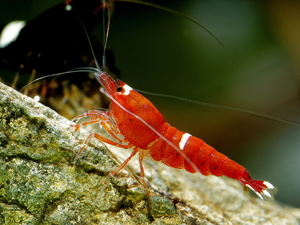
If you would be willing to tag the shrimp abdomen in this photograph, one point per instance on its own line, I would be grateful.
(201, 157)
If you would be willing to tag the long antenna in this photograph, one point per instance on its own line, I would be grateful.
(248, 112)
(173, 12)
(106, 28)
(90, 44)
(104, 37)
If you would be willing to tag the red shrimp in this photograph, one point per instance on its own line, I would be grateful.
(134, 122)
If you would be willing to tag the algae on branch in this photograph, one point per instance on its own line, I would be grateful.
(40, 184)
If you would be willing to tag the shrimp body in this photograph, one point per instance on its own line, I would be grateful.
(134, 122)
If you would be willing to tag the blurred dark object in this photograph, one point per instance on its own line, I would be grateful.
(54, 42)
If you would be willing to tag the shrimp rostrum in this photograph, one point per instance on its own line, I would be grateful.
(134, 122)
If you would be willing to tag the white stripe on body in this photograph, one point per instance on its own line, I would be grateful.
(183, 140)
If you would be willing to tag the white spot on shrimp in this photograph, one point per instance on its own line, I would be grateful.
(183, 140)
(127, 89)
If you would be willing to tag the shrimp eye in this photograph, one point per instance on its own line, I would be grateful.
(119, 89)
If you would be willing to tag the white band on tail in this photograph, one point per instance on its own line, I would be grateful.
(183, 140)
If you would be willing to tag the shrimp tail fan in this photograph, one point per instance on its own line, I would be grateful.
(263, 189)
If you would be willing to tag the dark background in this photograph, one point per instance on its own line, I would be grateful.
(257, 70)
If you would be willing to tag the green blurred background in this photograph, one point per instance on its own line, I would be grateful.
(257, 70)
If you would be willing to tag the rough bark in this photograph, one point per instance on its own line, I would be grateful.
(41, 184)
